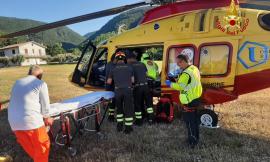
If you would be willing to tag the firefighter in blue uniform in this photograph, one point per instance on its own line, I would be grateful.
(141, 90)
(110, 87)
(123, 77)
(190, 87)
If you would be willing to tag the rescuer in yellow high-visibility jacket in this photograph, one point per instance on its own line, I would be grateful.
(152, 67)
(152, 77)
(190, 87)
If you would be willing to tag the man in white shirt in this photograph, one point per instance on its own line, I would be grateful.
(28, 114)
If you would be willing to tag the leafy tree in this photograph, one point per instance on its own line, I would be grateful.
(11, 41)
(17, 60)
(155, 53)
(4, 61)
(55, 49)
(104, 37)
(76, 52)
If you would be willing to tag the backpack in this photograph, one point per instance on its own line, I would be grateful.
(164, 111)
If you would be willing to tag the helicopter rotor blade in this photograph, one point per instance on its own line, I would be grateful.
(74, 20)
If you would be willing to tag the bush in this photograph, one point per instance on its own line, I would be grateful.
(64, 58)
(4, 60)
(17, 60)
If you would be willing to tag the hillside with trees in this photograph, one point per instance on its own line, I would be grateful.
(129, 18)
(63, 35)
(62, 42)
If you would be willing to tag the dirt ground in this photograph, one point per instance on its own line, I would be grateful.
(244, 134)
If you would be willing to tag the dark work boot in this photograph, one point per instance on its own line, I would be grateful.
(138, 122)
(111, 118)
(120, 126)
(128, 129)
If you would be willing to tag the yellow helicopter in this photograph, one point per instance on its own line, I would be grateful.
(228, 40)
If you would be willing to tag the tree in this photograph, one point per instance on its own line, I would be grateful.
(8, 42)
(76, 52)
(104, 37)
(17, 60)
(55, 49)
(4, 60)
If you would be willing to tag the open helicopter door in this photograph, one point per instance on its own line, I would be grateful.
(96, 78)
(90, 70)
(79, 76)
(215, 57)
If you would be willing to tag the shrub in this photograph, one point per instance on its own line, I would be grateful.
(17, 60)
(4, 60)
(64, 58)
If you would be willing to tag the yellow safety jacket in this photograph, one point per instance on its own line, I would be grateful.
(189, 85)
(152, 69)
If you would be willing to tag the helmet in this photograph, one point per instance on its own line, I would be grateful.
(145, 56)
(120, 55)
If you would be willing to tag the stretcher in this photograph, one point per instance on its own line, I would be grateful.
(78, 115)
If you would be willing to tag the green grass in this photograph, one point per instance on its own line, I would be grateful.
(243, 136)
(56, 76)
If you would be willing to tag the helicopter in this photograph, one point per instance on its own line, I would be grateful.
(227, 40)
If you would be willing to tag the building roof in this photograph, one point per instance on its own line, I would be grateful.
(20, 44)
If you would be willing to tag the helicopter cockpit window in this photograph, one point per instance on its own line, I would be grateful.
(264, 21)
(214, 59)
(173, 69)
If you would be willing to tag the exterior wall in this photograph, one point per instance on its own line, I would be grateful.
(8, 52)
(30, 50)
(33, 50)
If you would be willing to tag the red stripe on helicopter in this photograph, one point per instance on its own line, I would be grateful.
(252, 82)
(180, 7)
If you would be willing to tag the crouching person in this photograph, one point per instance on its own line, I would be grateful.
(28, 114)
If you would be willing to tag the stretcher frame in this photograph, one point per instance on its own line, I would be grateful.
(80, 118)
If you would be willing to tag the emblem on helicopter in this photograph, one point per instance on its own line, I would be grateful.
(233, 23)
(252, 54)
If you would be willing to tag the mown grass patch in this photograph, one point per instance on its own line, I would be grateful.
(244, 134)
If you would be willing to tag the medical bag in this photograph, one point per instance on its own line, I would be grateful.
(164, 110)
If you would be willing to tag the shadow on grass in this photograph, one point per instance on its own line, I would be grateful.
(162, 142)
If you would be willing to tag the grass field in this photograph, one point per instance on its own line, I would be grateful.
(244, 134)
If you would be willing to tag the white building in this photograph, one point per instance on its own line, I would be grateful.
(33, 52)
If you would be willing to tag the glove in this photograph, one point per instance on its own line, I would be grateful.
(168, 83)
(48, 121)
(171, 75)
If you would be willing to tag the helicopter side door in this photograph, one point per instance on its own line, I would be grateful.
(79, 76)
(97, 71)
